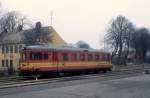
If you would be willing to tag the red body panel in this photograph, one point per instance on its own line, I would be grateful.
(55, 58)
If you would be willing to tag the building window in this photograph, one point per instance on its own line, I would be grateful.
(11, 64)
(7, 49)
(65, 57)
(16, 48)
(11, 49)
(82, 57)
(108, 57)
(6, 63)
(3, 49)
(74, 56)
(105, 57)
(3, 63)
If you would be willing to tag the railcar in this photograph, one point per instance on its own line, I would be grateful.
(44, 60)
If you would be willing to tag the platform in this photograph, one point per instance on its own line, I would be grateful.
(133, 87)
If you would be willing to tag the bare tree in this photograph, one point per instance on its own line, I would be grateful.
(118, 37)
(82, 44)
(10, 21)
(37, 35)
(140, 42)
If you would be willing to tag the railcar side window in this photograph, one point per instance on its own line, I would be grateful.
(3, 63)
(90, 57)
(107, 56)
(74, 56)
(82, 57)
(65, 56)
(97, 57)
(103, 57)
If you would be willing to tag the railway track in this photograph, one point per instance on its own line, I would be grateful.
(104, 76)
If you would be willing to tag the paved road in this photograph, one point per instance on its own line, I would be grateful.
(133, 87)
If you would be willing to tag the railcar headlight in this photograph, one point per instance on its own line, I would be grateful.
(23, 65)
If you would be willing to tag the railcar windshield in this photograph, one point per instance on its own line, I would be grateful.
(31, 56)
(38, 56)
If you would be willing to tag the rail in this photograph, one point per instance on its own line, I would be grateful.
(114, 74)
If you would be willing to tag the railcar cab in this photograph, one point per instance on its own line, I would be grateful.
(56, 59)
(31, 57)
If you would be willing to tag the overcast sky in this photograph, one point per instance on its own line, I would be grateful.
(83, 20)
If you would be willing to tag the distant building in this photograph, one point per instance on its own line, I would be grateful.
(11, 43)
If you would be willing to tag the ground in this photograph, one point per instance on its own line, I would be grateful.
(133, 87)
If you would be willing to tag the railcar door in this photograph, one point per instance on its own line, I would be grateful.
(62, 59)
(55, 60)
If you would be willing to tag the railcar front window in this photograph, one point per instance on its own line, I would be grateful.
(38, 56)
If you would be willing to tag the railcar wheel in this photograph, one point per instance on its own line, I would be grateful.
(60, 74)
(104, 71)
(96, 71)
(36, 76)
(109, 69)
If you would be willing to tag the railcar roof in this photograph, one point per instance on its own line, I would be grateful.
(41, 47)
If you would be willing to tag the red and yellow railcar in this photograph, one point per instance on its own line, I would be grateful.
(46, 60)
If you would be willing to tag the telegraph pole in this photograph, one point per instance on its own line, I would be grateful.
(51, 18)
(104, 43)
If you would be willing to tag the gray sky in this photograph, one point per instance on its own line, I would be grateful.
(83, 20)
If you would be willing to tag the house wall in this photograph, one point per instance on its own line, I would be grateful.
(8, 48)
(9, 55)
